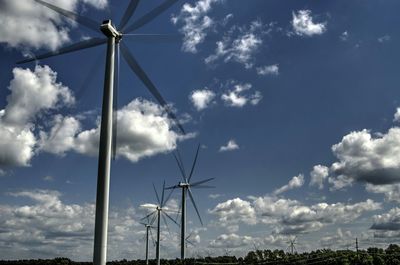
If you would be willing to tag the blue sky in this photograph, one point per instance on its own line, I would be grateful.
(294, 104)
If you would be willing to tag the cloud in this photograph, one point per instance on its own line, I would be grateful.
(286, 216)
(45, 227)
(396, 117)
(268, 70)
(318, 176)
(390, 191)
(339, 240)
(201, 99)
(234, 211)
(367, 158)
(143, 130)
(243, 47)
(292, 217)
(230, 146)
(30, 25)
(384, 38)
(389, 221)
(303, 24)
(238, 96)
(33, 93)
(214, 196)
(295, 182)
(344, 36)
(195, 23)
(231, 241)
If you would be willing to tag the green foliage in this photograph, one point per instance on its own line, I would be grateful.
(371, 256)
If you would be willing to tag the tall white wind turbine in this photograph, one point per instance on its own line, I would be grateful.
(113, 39)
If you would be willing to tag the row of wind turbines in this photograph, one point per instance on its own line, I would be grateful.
(160, 211)
(113, 38)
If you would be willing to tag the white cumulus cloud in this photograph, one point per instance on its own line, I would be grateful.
(241, 48)
(239, 95)
(202, 98)
(268, 70)
(303, 24)
(27, 24)
(364, 157)
(295, 182)
(318, 176)
(143, 130)
(230, 146)
(32, 94)
(195, 23)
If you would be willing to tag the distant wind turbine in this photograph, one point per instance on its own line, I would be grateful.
(107, 147)
(148, 226)
(292, 247)
(186, 186)
(160, 212)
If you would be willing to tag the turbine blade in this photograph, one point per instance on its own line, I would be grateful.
(162, 195)
(93, 71)
(92, 42)
(152, 238)
(191, 233)
(115, 105)
(180, 167)
(194, 162)
(203, 187)
(173, 38)
(166, 224)
(147, 216)
(158, 198)
(194, 205)
(190, 243)
(153, 220)
(128, 13)
(87, 22)
(172, 187)
(169, 195)
(134, 65)
(170, 218)
(201, 182)
(150, 15)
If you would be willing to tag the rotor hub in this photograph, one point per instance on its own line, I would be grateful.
(183, 185)
(110, 31)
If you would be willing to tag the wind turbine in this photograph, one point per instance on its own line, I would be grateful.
(186, 186)
(148, 226)
(292, 243)
(160, 212)
(113, 39)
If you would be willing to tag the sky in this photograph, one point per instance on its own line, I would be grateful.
(295, 105)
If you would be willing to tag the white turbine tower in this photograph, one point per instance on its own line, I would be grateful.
(186, 186)
(160, 212)
(113, 39)
(148, 226)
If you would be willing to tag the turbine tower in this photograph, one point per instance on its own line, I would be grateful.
(186, 186)
(113, 39)
(160, 212)
(292, 243)
(148, 226)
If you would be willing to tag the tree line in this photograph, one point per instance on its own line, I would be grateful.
(370, 256)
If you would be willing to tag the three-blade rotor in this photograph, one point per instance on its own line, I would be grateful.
(126, 54)
(186, 184)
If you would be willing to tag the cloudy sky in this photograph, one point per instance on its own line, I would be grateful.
(294, 103)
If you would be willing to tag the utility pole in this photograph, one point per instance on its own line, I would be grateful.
(358, 257)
